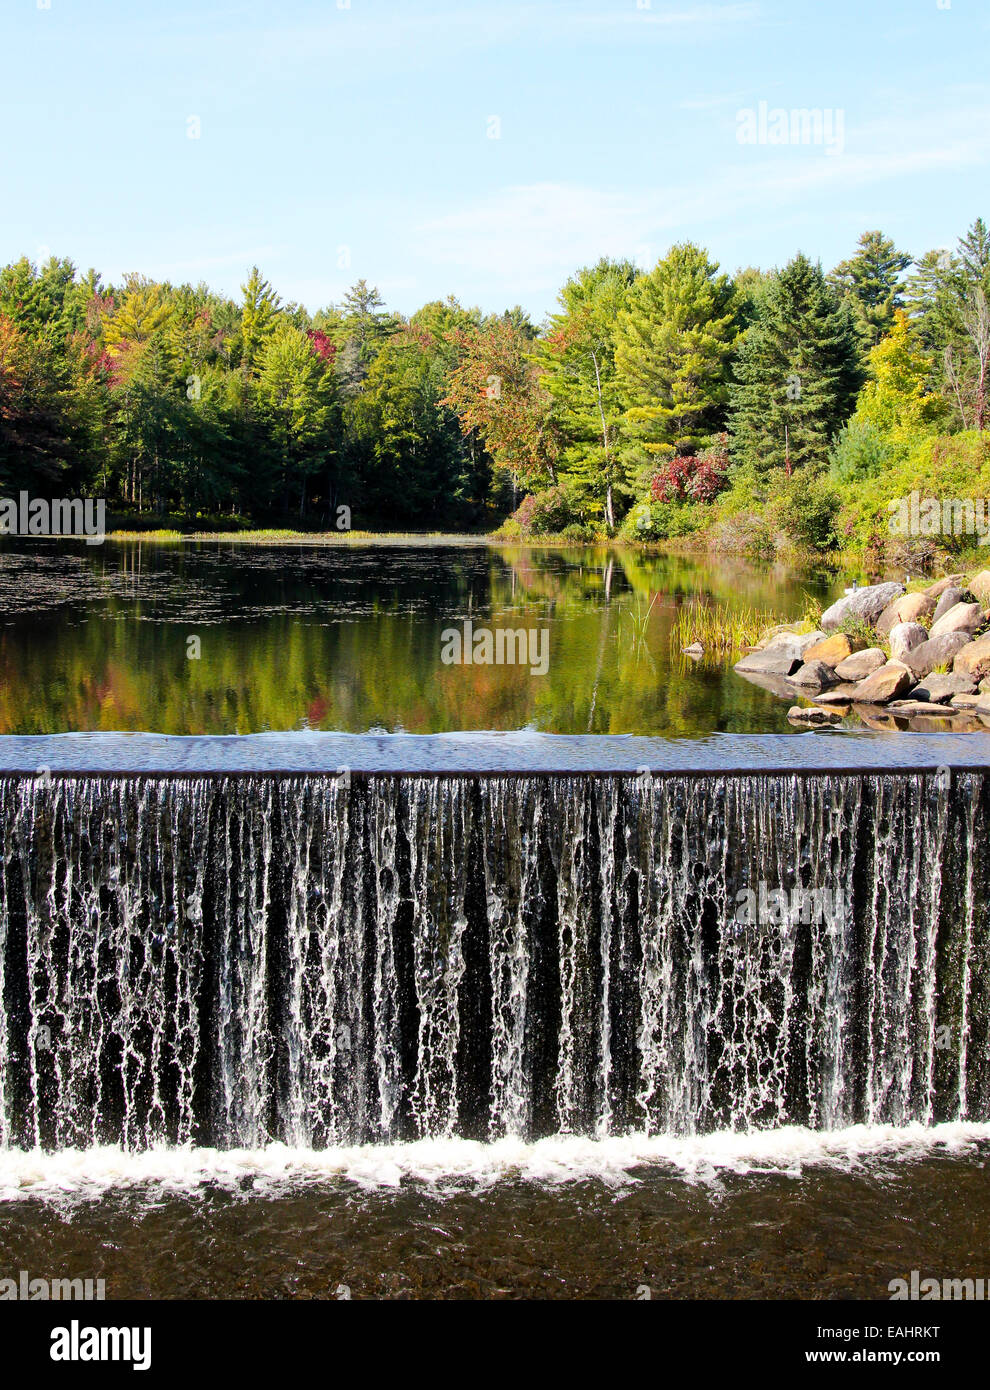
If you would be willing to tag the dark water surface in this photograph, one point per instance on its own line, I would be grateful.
(830, 1234)
(349, 638)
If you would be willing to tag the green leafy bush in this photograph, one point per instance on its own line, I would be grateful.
(546, 513)
(805, 509)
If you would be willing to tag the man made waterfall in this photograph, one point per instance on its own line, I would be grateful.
(338, 958)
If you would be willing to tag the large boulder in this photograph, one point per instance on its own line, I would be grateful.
(939, 690)
(834, 649)
(860, 664)
(938, 651)
(973, 659)
(865, 604)
(979, 587)
(914, 709)
(886, 684)
(904, 637)
(814, 674)
(906, 609)
(937, 589)
(948, 599)
(961, 617)
(769, 663)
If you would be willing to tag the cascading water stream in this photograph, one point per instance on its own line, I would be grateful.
(231, 960)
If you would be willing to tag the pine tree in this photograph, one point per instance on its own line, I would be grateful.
(974, 254)
(259, 310)
(673, 342)
(296, 393)
(796, 374)
(872, 280)
(367, 325)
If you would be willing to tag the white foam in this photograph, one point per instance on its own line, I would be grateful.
(90, 1173)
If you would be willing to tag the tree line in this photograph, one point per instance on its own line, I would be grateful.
(644, 397)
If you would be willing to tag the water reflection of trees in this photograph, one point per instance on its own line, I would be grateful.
(373, 661)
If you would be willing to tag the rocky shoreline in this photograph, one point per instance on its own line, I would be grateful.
(886, 657)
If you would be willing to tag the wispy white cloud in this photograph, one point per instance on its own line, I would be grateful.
(527, 238)
(410, 30)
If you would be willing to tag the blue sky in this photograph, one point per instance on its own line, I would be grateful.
(343, 141)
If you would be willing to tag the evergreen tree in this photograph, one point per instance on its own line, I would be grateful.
(974, 254)
(871, 279)
(296, 394)
(796, 374)
(259, 311)
(673, 342)
(366, 325)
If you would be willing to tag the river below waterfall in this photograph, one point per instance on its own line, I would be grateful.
(725, 1226)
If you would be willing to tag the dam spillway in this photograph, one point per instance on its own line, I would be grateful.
(330, 939)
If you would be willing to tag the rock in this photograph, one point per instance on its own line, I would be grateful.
(792, 643)
(866, 604)
(961, 617)
(937, 652)
(979, 587)
(906, 609)
(911, 709)
(769, 662)
(833, 649)
(782, 628)
(985, 684)
(695, 650)
(844, 694)
(815, 674)
(860, 664)
(940, 689)
(904, 638)
(799, 714)
(948, 599)
(974, 704)
(937, 589)
(886, 684)
(973, 659)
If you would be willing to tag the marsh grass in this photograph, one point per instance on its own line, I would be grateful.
(282, 535)
(719, 628)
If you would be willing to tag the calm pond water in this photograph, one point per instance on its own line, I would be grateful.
(349, 638)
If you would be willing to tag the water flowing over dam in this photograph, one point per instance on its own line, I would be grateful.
(335, 940)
